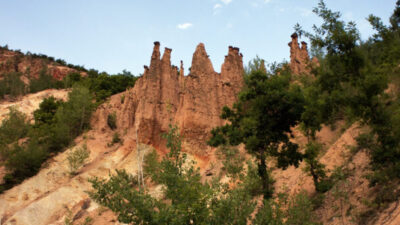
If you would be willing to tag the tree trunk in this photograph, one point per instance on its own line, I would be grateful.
(263, 173)
(314, 175)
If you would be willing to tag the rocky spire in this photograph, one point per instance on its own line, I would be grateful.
(181, 70)
(304, 51)
(201, 64)
(155, 60)
(299, 58)
(233, 63)
(166, 59)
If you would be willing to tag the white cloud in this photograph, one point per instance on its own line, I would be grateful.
(229, 25)
(184, 26)
(217, 6)
(267, 1)
(226, 2)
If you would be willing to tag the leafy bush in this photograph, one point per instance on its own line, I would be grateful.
(13, 127)
(116, 139)
(71, 79)
(112, 120)
(43, 82)
(12, 85)
(77, 158)
(296, 210)
(23, 161)
(232, 161)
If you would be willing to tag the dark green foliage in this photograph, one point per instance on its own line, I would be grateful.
(112, 120)
(350, 84)
(315, 168)
(47, 110)
(102, 85)
(105, 85)
(13, 128)
(232, 161)
(299, 210)
(261, 119)
(76, 112)
(56, 125)
(43, 82)
(71, 79)
(12, 85)
(116, 139)
(24, 161)
(296, 210)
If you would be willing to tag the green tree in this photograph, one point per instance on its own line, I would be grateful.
(262, 119)
(47, 110)
(43, 82)
(12, 85)
(24, 161)
(75, 113)
(13, 127)
(186, 200)
(352, 79)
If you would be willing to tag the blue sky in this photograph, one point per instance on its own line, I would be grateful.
(112, 35)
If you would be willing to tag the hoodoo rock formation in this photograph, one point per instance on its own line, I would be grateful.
(31, 66)
(163, 95)
(299, 59)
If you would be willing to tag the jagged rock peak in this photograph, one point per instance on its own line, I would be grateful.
(304, 45)
(299, 58)
(155, 59)
(156, 51)
(167, 56)
(201, 64)
(233, 63)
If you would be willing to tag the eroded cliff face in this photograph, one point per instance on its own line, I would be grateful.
(300, 62)
(163, 95)
(30, 66)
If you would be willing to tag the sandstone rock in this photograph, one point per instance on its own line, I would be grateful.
(163, 96)
(30, 67)
(299, 58)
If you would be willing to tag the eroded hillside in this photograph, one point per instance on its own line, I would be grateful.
(31, 65)
(165, 95)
